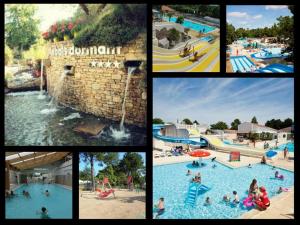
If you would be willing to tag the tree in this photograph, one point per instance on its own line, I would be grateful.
(85, 174)
(187, 121)
(131, 162)
(180, 19)
(90, 157)
(234, 124)
(158, 121)
(253, 137)
(196, 122)
(230, 34)
(287, 123)
(219, 126)
(254, 120)
(21, 28)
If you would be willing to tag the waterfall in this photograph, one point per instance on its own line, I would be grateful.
(130, 71)
(41, 95)
(58, 88)
(121, 133)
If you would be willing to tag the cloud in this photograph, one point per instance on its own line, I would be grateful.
(275, 7)
(258, 16)
(212, 100)
(238, 14)
(243, 22)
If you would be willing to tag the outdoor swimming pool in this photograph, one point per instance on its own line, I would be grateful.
(31, 121)
(170, 181)
(289, 145)
(192, 25)
(58, 204)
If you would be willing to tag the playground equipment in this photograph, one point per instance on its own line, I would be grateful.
(103, 192)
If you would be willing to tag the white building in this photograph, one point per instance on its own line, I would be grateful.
(246, 128)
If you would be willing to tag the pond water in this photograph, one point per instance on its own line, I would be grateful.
(29, 120)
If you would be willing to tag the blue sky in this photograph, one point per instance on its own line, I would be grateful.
(209, 100)
(255, 16)
(97, 167)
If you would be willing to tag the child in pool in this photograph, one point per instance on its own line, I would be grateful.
(47, 193)
(236, 199)
(207, 201)
(26, 194)
(189, 173)
(44, 213)
(226, 198)
(160, 207)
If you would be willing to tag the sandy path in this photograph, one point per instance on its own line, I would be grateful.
(126, 205)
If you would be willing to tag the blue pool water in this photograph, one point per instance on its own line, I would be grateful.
(58, 204)
(241, 63)
(192, 25)
(171, 182)
(207, 38)
(289, 145)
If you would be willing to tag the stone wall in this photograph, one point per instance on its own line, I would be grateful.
(100, 91)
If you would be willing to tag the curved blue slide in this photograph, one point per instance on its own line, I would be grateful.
(157, 135)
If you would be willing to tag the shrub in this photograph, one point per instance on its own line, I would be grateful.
(117, 28)
(173, 35)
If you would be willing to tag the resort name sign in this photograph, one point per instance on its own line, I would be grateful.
(94, 50)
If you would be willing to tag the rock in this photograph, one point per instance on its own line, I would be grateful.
(92, 127)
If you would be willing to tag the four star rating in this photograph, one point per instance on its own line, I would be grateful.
(107, 64)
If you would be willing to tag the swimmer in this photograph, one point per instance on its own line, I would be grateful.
(226, 198)
(236, 199)
(43, 213)
(47, 193)
(160, 207)
(189, 173)
(249, 166)
(214, 166)
(207, 201)
(26, 194)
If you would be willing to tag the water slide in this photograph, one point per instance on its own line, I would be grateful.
(241, 63)
(168, 60)
(156, 134)
(218, 144)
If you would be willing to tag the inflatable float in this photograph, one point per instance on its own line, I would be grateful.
(248, 202)
(263, 202)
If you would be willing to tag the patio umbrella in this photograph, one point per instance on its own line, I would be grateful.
(199, 153)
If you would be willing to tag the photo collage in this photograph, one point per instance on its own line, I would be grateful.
(188, 109)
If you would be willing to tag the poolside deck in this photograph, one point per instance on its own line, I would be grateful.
(126, 205)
